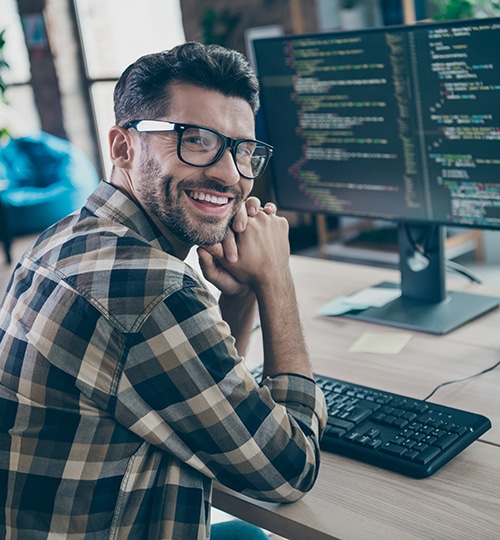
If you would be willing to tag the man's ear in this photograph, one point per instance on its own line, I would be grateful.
(120, 147)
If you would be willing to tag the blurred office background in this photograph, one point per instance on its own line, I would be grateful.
(60, 59)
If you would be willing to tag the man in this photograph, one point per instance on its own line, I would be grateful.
(123, 391)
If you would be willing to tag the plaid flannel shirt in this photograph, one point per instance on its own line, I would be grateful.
(122, 396)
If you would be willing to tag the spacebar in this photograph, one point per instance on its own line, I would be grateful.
(338, 422)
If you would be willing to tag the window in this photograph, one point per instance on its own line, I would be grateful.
(20, 115)
(114, 33)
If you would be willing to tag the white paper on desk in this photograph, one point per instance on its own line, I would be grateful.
(339, 306)
(374, 296)
(382, 342)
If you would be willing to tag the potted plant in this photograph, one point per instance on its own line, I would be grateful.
(3, 85)
(464, 9)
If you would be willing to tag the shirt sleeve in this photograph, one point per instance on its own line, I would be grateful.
(185, 389)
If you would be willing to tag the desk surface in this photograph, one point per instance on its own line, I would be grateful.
(355, 501)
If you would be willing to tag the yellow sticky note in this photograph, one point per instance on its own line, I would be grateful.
(383, 342)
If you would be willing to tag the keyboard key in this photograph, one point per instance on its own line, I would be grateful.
(335, 432)
(373, 444)
(357, 414)
(400, 422)
(445, 441)
(338, 422)
(393, 449)
(426, 455)
(410, 454)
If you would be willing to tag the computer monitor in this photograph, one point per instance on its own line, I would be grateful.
(394, 123)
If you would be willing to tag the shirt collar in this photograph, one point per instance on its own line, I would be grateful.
(109, 202)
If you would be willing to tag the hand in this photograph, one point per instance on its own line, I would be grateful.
(210, 267)
(219, 276)
(262, 248)
(260, 277)
(240, 219)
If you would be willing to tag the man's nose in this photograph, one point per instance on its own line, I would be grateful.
(225, 170)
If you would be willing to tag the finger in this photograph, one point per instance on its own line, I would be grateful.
(270, 208)
(250, 208)
(208, 253)
(204, 257)
(239, 221)
(229, 247)
(253, 205)
(208, 264)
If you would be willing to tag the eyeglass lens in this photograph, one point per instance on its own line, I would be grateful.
(202, 147)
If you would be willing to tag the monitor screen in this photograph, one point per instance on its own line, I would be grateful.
(397, 123)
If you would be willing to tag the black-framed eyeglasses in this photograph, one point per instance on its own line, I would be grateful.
(202, 147)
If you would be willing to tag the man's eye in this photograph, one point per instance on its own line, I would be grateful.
(194, 141)
(245, 150)
(199, 142)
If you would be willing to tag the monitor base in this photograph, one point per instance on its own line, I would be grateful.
(440, 318)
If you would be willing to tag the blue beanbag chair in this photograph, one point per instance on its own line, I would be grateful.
(46, 179)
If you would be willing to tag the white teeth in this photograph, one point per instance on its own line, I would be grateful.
(200, 196)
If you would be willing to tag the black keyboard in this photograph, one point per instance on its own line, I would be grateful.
(406, 435)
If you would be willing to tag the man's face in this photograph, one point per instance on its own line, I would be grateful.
(194, 204)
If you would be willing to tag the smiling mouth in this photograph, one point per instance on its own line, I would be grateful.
(217, 200)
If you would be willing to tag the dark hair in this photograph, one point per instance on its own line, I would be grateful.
(143, 88)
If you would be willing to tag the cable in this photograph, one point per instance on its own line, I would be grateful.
(423, 249)
(491, 368)
(451, 265)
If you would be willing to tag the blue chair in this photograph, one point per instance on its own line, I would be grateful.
(45, 178)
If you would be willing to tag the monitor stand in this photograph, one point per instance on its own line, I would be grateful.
(424, 304)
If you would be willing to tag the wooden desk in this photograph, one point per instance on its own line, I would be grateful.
(355, 501)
